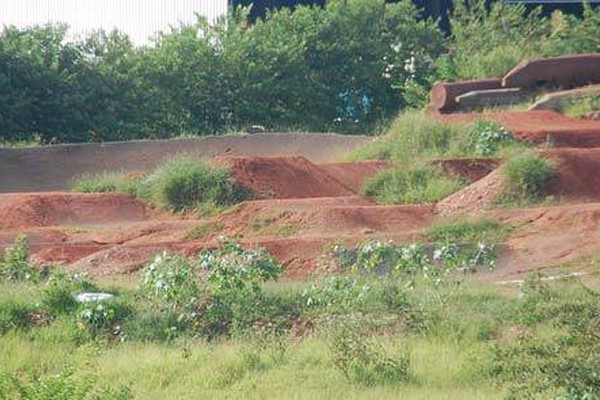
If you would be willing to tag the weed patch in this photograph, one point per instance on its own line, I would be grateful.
(414, 185)
(527, 177)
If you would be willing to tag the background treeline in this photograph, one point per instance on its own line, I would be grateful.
(345, 67)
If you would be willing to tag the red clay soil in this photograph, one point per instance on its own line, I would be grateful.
(548, 237)
(539, 127)
(283, 177)
(19, 211)
(579, 171)
(353, 175)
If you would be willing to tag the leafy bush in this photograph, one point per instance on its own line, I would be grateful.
(215, 294)
(411, 185)
(182, 183)
(336, 293)
(487, 137)
(363, 360)
(27, 385)
(14, 265)
(415, 260)
(58, 291)
(564, 364)
(14, 315)
(527, 177)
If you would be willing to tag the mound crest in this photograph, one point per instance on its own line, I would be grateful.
(19, 211)
(283, 177)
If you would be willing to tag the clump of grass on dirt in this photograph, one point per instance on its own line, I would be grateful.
(581, 107)
(413, 185)
(414, 135)
(183, 182)
(98, 183)
(180, 184)
(468, 231)
(527, 177)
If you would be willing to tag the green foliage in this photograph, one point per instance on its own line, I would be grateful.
(183, 183)
(14, 264)
(487, 137)
(98, 183)
(564, 364)
(527, 177)
(414, 261)
(414, 135)
(14, 315)
(67, 385)
(215, 294)
(57, 294)
(468, 231)
(415, 185)
(363, 360)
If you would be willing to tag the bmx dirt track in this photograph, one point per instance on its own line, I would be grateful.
(305, 200)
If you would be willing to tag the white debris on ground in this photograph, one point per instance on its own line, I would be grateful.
(88, 297)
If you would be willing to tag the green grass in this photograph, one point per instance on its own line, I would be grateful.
(468, 231)
(527, 178)
(416, 136)
(99, 183)
(581, 107)
(413, 185)
(181, 184)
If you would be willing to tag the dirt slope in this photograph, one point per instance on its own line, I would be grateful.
(540, 126)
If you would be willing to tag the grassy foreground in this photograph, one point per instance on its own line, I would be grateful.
(395, 321)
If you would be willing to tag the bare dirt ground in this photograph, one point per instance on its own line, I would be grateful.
(306, 201)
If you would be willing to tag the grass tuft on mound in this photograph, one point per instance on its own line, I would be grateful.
(182, 183)
(527, 177)
(413, 185)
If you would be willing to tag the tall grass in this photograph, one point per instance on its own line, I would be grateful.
(411, 185)
(180, 184)
(414, 135)
(527, 176)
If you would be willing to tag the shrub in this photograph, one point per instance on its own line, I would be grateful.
(215, 294)
(411, 185)
(415, 260)
(182, 183)
(31, 385)
(14, 265)
(363, 360)
(14, 315)
(487, 137)
(527, 177)
(57, 294)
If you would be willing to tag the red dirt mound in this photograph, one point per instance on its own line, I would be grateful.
(548, 236)
(472, 199)
(355, 174)
(472, 169)
(283, 177)
(540, 126)
(18, 211)
(579, 171)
